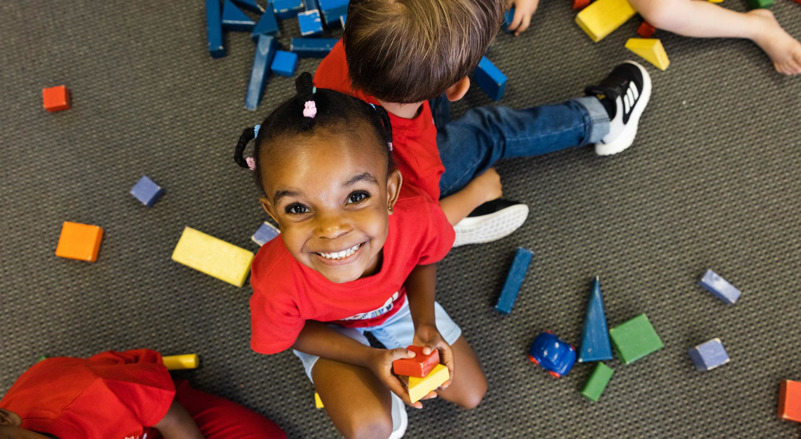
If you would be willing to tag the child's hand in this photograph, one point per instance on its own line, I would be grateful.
(524, 10)
(429, 337)
(381, 365)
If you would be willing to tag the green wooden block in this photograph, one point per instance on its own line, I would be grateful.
(635, 339)
(597, 383)
(760, 4)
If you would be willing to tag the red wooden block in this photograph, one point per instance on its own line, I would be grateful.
(790, 400)
(646, 30)
(581, 4)
(56, 98)
(419, 366)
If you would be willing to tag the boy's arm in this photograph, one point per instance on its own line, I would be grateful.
(178, 424)
(481, 189)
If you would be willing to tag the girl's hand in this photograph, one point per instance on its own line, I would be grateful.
(381, 365)
(429, 337)
(524, 10)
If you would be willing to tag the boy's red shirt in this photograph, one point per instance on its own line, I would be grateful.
(414, 140)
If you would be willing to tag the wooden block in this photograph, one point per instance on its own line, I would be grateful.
(760, 4)
(708, 355)
(580, 4)
(651, 49)
(147, 191)
(250, 5)
(213, 256)
(312, 47)
(490, 78)
(604, 16)
(419, 366)
(420, 387)
(266, 48)
(318, 403)
(790, 400)
(595, 335)
(265, 233)
(720, 287)
(597, 382)
(514, 280)
(214, 29)
(79, 241)
(56, 98)
(635, 339)
(178, 362)
(267, 25)
(310, 23)
(646, 30)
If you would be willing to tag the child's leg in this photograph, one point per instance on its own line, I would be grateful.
(699, 18)
(469, 384)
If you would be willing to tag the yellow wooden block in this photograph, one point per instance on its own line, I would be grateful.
(715, 1)
(318, 403)
(420, 387)
(651, 49)
(604, 16)
(213, 256)
(176, 362)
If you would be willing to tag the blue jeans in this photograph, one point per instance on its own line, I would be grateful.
(484, 135)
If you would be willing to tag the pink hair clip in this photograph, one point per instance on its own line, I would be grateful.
(251, 163)
(310, 110)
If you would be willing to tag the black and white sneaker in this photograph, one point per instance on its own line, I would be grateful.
(491, 221)
(629, 87)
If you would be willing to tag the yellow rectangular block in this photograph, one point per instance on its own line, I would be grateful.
(318, 403)
(651, 49)
(420, 387)
(602, 17)
(177, 362)
(213, 256)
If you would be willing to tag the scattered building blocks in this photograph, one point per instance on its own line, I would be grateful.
(719, 287)
(250, 5)
(311, 5)
(213, 256)
(651, 49)
(419, 366)
(552, 353)
(287, 8)
(318, 403)
(312, 47)
(604, 16)
(233, 19)
(580, 4)
(760, 4)
(420, 387)
(214, 29)
(265, 52)
(709, 355)
(267, 25)
(79, 241)
(635, 339)
(490, 79)
(508, 17)
(177, 362)
(595, 335)
(514, 280)
(56, 98)
(147, 191)
(284, 63)
(597, 382)
(646, 30)
(790, 400)
(265, 233)
(332, 9)
(310, 23)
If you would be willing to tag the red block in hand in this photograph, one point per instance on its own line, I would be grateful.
(646, 30)
(419, 366)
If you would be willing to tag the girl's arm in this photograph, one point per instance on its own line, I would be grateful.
(178, 424)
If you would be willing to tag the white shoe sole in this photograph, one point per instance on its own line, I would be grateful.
(492, 227)
(400, 420)
(626, 138)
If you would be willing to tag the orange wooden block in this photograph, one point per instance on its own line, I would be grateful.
(580, 4)
(56, 98)
(79, 241)
(646, 30)
(419, 366)
(790, 400)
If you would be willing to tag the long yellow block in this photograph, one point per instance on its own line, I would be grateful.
(651, 49)
(213, 256)
(318, 402)
(420, 387)
(604, 16)
(176, 362)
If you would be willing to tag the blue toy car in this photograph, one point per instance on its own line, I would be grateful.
(553, 354)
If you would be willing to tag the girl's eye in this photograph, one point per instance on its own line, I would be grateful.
(296, 209)
(357, 197)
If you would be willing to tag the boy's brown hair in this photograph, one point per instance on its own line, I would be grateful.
(407, 51)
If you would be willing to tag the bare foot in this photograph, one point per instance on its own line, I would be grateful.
(783, 49)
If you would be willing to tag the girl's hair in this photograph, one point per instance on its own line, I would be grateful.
(312, 109)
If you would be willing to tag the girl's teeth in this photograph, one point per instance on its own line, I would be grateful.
(342, 254)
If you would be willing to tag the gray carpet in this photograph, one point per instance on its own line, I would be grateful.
(711, 182)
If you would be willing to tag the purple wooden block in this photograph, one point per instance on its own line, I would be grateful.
(709, 355)
(719, 287)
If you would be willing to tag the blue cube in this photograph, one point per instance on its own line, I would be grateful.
(265, 234)
(147, 191)
(234, 19)
(490, 79)
(311, 5)
(312, 47)
(285, 63)
(287, 8)
(709, 355)
(719, 287)
(267, 25)
(332, 10)
(310, 23)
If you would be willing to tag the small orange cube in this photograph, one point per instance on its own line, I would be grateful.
(419, 366)
(646, 30)
(56, 98)
(790, 400)
(79, 241)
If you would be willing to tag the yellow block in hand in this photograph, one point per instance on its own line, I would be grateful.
(176, 362)
(604, 16)
(651, 49)
(420, 387)
(213, 256)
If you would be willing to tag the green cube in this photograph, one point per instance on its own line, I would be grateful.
(597, 383)
(635, 339)
(760, 4)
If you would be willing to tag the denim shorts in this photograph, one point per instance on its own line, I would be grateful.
(396, 332)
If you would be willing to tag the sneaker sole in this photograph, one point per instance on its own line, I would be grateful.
(400, 420)
(626, 138)
(491, 227)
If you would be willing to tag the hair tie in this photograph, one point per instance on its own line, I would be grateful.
(256, 129)
(389, 144)
(251, 163)
(310, 110)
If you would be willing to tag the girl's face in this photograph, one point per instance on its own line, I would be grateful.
(331, 196)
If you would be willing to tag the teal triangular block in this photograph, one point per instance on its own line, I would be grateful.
(595, 336)
(234, 19)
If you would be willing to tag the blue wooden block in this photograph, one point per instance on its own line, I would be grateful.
(312, 47)
(287, 8)
(265, 233)
(342, 19)
(514, 280)
(214, 28)
(284, 63)
(234, 19)
(507, 21)
(250, 5)
(147, 191)
(311, 5)
(490, 79)
(709, 355)
(310, 23)
(267, 25)
(719, 287)
(595, 344)
(265, 52)
(332, 10)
